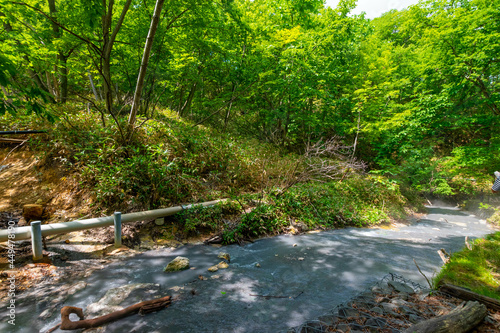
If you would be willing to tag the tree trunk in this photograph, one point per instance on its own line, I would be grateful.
(228, 112)
(96, 95)
(61, 67)
(460, 320)
(109, 38)
(187, 105)
(144, 63)
(63, 77)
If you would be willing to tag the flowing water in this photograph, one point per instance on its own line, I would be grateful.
(303, 276)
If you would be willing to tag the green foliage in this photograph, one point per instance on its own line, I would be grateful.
(169, 161)
(358, 201)
(198, 217)
(475, 269)
(417, 92)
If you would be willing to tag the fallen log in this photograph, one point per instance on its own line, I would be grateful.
(462, 319)
(468, 295)
(141, 308)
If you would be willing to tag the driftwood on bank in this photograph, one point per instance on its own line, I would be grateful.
(445, 257)
(462, 319)
(468, 295)
(142, 308)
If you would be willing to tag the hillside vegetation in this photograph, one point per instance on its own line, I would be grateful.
(306, 116)
(171, 162)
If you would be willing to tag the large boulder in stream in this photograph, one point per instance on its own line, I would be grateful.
(178, 264)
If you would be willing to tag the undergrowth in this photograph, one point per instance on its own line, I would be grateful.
(170, 161)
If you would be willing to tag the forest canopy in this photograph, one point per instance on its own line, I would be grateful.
(416, 92)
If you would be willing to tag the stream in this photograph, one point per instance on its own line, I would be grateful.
(304, 276)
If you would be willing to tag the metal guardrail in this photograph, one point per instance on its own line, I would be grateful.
(36, 231)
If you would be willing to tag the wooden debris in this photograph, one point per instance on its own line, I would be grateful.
(141, 308)
(467, 244)
(468, 295)
(462, 319)
(217, 239)
(428, 282)
(445, 257)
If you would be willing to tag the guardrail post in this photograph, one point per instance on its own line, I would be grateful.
(118, 229)
(36, 240)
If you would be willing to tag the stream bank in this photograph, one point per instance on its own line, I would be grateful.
(309, 273)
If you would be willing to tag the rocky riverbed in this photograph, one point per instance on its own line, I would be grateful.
(270, 285)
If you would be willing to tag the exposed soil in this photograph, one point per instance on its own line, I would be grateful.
(26, 179)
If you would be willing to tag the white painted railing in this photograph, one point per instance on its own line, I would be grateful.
(36, 231)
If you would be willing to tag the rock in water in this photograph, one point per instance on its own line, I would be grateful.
(222, 265)
(213, 269)
(178, 264)
(224, 255)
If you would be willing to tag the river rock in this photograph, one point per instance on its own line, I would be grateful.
(401, 287)
(213, 269)
(178, 264)
(389, 308)
(32, 212)
(348, 312)
(222, 265)
(224, 255)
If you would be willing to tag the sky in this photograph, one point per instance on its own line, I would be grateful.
(375, 8)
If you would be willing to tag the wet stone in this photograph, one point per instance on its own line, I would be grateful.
(376, 322)
(377, 310)
(328, 320)
(356, 327)
(343, 328)
(222, 265)
(389, 308)
(178, 264)
(414, 318)
(77, 287)
(224, 255)
(407, 310)
(312, 327)
(404, 296)
(382, 299)
(347, 313)
(401, 287)
(398, 322)
(399, 302)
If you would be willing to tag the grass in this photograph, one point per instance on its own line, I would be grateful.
(477, 269)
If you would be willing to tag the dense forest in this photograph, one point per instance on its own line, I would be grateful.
(413, 96)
